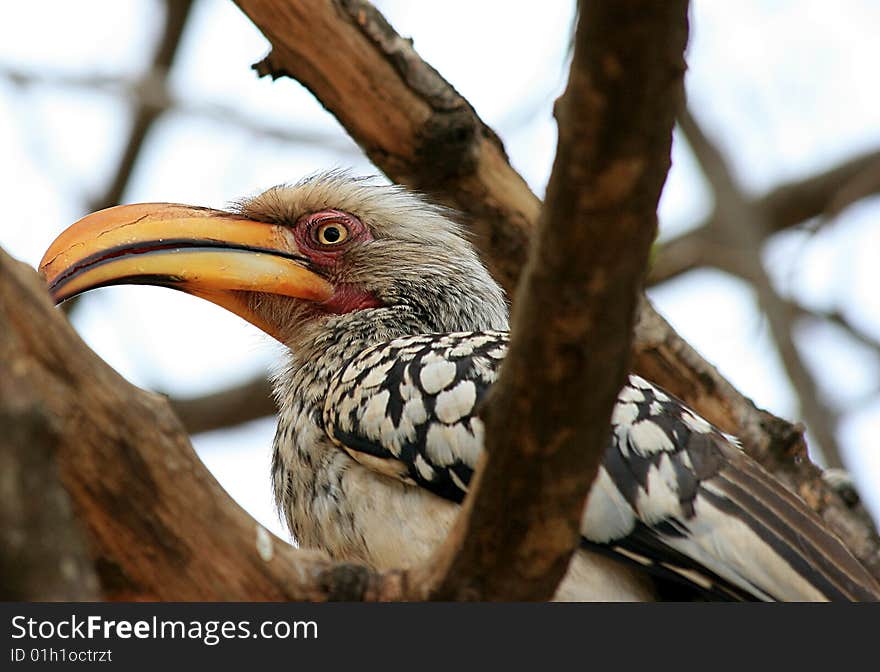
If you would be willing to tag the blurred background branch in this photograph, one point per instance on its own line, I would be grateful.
(146, 111)
(823, 195)
(741, 229)
(228, 407)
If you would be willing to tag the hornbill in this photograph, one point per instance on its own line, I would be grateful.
(395, 331)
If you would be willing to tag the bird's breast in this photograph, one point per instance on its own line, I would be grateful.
(354, 513)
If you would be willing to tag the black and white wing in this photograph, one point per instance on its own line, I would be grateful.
(673, 494)
(680, 494)
(408, 408)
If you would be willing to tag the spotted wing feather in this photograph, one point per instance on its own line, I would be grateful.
(413, 403)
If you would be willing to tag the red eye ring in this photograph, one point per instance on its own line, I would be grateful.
(325, 234)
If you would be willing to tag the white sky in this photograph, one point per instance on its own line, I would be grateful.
(786, 88)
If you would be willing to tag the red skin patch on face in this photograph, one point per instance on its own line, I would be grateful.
(347, 298)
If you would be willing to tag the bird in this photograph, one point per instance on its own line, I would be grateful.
(394, 333)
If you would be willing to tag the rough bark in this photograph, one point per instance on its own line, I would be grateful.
(588, 259)
(156, 524)
(42, 553)
(392, 104)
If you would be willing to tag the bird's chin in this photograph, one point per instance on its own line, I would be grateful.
(290, 321)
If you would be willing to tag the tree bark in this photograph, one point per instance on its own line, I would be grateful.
(42, 553)
(588, 260)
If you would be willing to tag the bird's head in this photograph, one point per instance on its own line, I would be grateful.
(291, 258)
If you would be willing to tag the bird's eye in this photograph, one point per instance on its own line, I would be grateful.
(330, 233)
(327, 232)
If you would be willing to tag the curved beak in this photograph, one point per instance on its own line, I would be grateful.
(211, 254)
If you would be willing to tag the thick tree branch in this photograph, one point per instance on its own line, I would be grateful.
(589, 258)
(157, 524)
(42, 552)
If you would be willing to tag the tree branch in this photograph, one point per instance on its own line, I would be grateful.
(839, 318)
(232, 406)
(42, 552)
(744, 230)
(615, 133)
(824, 194)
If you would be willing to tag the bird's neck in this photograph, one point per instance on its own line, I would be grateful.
(303, 456)
(321, 346)
(329, 341)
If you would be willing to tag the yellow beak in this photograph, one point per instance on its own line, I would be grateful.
(211, 254)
